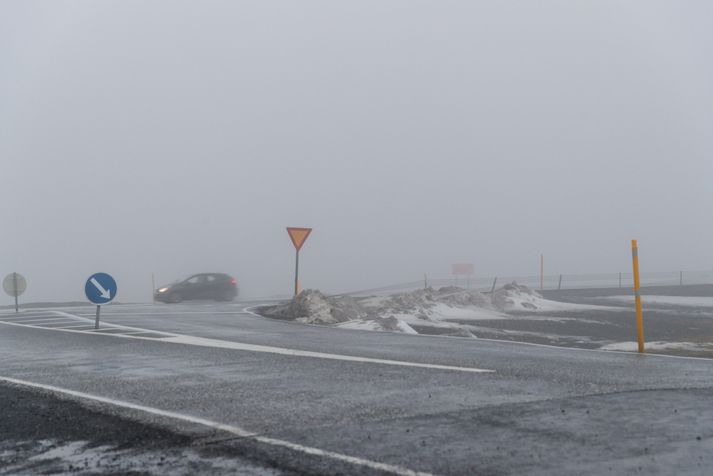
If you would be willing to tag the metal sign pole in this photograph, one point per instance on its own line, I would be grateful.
(14, 287)
(96, 322)
(298, 237)
(297, 272)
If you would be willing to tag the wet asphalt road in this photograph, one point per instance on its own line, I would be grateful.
(542, 410)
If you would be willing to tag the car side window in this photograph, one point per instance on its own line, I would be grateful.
(194, 280)
(210, 279)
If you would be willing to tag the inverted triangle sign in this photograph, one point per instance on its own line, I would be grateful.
(298, 236)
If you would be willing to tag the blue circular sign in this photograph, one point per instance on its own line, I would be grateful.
(100, 288)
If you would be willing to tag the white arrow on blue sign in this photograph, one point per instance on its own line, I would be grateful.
(100, 288)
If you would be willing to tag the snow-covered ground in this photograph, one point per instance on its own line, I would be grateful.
(692, 301)
(449, 308)
(399, 325)
(513, 312)
(659, 346)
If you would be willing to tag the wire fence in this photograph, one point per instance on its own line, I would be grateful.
(551, 282)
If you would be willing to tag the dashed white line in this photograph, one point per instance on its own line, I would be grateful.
(235, 430)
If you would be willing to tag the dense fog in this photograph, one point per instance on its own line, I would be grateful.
(173, 137)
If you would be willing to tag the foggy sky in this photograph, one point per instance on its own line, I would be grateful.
(178, 137)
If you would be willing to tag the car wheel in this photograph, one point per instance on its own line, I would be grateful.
(175, 298)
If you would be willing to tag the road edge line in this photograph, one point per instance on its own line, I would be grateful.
(249, 310)
(354, 460)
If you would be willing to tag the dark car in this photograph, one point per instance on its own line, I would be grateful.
(218, 286)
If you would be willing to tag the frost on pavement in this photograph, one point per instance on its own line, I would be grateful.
(445, 308)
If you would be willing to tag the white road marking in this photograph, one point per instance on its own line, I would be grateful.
(46, 320)
(85, 326)
(122, 314)
(223, 344)
(203, 342)
(235, 430)
(249, 310)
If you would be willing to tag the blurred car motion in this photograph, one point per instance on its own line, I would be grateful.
(217, 286)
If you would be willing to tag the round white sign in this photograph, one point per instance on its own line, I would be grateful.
(14, 284)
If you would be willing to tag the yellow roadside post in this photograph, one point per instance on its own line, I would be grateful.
(637, 296)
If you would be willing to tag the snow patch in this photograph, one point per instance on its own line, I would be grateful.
(692, 301)
(447, 307)
(518, 298)
(389, 324)
(658, 345)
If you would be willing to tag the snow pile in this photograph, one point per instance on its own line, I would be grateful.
(447, 307)
(423, 302)
(310, 306)
(516, 297)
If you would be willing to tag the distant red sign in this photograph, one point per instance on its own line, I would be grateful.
(463, 269)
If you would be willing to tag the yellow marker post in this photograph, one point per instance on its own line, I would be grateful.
(637, 296)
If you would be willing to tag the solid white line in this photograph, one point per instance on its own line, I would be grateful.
(222, 344)
(235, 430)
(47, 320)
(24, 317)
(249, 310)
(122, 314)
(70, 327)
(203, 342)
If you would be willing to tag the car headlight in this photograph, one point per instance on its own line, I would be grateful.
(163, 290)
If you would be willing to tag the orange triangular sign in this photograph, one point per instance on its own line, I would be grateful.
(298, 236)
